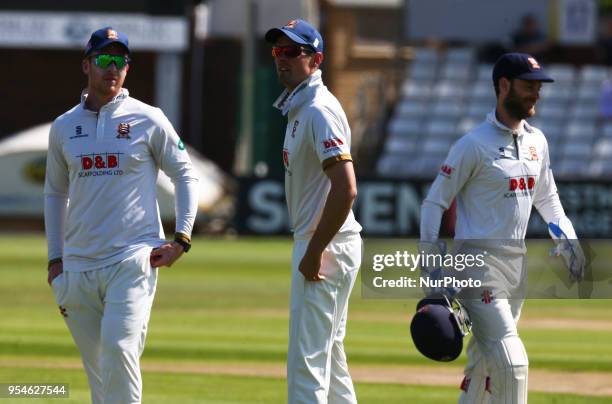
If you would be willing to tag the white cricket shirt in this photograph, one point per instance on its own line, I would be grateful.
(497, 175)
(317, 136)
(106, 164)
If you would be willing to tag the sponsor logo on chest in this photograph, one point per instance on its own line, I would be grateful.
(520, 186)
(100, 164)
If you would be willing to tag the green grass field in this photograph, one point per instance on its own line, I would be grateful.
(218, 334)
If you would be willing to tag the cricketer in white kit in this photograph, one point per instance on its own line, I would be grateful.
(320, 187)
(104, 233)
(497, 172)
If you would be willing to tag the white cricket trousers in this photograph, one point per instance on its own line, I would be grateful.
(317, 371)
(107, 311)
(497, 368)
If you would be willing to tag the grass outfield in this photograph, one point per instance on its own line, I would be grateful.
(223, 309)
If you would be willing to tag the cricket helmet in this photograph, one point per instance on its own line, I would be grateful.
(438, 327)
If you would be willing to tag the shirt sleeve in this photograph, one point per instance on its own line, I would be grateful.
(172, 158)
(56, 195)
(546, 198)
(330, 138)
(431, 217)
(460, 165)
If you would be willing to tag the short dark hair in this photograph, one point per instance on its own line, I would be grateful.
(496, 85)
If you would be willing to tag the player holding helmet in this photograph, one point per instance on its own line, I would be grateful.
(497, 172)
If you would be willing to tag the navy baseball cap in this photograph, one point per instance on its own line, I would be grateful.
(104, 37)
(519, 66)
(298, 31)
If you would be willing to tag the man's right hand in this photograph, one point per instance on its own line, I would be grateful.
(54, 271)
(432, 256)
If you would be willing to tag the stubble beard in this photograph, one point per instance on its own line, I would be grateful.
(516, 107)
(284, 77)
(108, 89)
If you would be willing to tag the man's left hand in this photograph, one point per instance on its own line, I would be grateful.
(166, 255)
(568, 247)
(573, 256)
(310, 266)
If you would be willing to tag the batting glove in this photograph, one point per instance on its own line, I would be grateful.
(568, 248)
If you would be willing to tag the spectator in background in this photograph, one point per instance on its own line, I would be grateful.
(604, 53)
(529, 38)
(605, 100)
(604, 44)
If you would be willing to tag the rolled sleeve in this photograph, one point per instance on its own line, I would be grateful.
(330, 139)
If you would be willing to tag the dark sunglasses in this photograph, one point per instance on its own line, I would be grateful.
(104, 60)
(289, 51)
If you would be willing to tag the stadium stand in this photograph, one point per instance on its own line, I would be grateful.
(446, 94)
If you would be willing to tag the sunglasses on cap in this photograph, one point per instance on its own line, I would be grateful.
(104, 60)
(290, 51)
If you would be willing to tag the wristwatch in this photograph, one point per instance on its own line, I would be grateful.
(183, 241)
(54, 261)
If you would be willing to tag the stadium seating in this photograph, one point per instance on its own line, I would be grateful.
(447, 93)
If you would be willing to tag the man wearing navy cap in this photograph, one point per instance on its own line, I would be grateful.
(497, 172)
(320, 187)
(104, 246)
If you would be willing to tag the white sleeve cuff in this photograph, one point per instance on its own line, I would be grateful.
(186, 204)
(55, 219)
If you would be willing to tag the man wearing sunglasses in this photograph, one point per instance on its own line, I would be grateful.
(105, 244)
(320, 187)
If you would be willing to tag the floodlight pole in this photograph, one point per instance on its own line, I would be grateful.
(244, 156)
